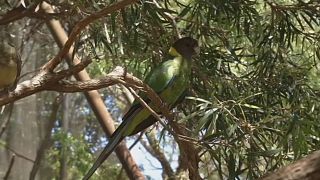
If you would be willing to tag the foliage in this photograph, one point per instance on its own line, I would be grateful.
(254, 101)
(78, 158)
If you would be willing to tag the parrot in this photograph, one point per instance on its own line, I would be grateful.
(170, 81)
(9, 66)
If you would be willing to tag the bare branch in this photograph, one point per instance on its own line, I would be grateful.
(40, 82)
(45, 143)
(19, 13)
(115, 77)
(6, 122)
(49, 66)
(10, 167)
(155, 151)
(16, 153)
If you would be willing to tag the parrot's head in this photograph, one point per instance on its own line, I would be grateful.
(7, 53)
(185, 47)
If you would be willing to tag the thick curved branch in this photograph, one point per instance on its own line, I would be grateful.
(307, 168)
(42, 81)
(119, 75)
(19, 12)
(49, 66)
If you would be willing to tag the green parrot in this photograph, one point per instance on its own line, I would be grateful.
(170, 81)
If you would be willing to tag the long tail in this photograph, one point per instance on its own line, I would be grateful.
(116, 138)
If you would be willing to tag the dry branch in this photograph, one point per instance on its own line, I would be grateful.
(119, 75)
(154, 150)
(42, 81)
(19, 13)
(49, 66)
(47, 80)
(16, 153)
(9, 168)
(307, 168)
(46, 141)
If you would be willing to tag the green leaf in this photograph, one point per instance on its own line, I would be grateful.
(251, 106)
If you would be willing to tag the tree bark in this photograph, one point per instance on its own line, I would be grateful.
(307, 168)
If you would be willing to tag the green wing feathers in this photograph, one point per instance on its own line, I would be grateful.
(170, 81)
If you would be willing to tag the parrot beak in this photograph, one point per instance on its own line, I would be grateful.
(173, 52)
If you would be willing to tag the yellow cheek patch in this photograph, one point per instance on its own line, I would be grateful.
(174, 52)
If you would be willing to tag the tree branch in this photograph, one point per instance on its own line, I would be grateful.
(7, 120)
(46, 141)
(189, 154)
(307, 168)
(93, 97)
(40, 82)
(16, 153)
(155, 151)
(10, 167)
(117, 76)
(49, 66)
(19, 12)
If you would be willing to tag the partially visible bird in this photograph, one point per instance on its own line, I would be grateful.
(170, 81)
(9, 66)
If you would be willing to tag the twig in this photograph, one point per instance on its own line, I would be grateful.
(10, 167)
(45, 143)
(155, 150)
(49, 66)
(6, 122)
(16, 153)
(171, 18)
